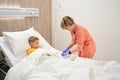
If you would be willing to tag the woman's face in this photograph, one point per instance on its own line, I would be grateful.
(69, 28)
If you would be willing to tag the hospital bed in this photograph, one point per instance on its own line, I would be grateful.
(9, 57)
(13, 59)
(36, 67)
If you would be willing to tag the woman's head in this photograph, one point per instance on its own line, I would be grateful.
(34, 41)
(67, 22)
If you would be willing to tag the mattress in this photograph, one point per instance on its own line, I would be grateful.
(9, 56)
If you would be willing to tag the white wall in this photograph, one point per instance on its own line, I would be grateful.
(100, 17)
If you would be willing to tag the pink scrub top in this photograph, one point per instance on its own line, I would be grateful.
(85, 44)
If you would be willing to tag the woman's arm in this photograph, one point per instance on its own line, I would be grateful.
(71, 45)
(73, 42)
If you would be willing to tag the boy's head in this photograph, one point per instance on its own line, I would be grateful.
(34, 42)
(67, 22)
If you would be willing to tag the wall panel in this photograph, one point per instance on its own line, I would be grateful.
(43, 23)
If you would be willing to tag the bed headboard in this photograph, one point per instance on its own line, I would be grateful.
(43, 23)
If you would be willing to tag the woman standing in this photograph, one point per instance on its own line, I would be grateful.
(85, 44)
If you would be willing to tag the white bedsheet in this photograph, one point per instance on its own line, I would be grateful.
(37, 67)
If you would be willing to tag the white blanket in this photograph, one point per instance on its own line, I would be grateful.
(41, 67)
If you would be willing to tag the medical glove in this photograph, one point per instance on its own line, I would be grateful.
(66, 49)
(65, 53)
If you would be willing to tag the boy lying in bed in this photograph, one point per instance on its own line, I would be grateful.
(34, 43)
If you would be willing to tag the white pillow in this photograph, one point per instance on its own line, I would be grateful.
(18, 41)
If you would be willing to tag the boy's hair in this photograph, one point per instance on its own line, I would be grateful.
(66, 21)
(32, 39)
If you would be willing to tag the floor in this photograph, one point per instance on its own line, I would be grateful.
(3, 69)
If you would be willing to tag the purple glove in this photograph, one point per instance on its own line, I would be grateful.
(65, 52)
(66, 49)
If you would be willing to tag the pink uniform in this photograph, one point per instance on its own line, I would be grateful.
(85, 43)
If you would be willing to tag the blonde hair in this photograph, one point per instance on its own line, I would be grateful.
(32, 39)
(66, 21)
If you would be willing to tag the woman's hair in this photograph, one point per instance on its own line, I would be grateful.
(66, 21)
(32, 39)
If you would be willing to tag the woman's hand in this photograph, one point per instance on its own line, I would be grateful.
(65, 52)
(66, 49)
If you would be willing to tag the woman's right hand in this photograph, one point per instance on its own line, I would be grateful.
(65, 51)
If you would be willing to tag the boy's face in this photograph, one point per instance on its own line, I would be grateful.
(35, 44)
